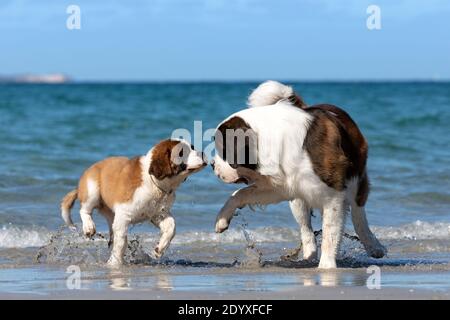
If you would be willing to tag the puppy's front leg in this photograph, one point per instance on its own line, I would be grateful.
(120, 230)
(166, 223)
(242, 197)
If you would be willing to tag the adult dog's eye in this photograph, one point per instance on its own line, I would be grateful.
(181, 152)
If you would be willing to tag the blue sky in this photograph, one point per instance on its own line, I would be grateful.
(227, 39)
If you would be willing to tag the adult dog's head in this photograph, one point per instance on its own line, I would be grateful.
(240, 139)
(236, 150)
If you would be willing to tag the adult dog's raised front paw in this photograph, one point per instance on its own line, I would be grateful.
(157, 253)
(222, 225)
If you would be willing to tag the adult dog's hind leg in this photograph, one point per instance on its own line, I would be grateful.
(359, 219)
(302, 214)
(371, 244)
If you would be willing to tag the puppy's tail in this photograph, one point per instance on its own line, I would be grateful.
(270, 92)
(66, 205)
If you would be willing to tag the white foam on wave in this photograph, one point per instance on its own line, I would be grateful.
(20, 237)
(418, 230)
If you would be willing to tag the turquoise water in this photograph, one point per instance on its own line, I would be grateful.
(50, 133)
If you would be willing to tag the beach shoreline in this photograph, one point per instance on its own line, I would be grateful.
(208, 283)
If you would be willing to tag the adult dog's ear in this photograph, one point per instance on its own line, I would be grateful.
(245, 152)
(237, 144)
(161, 165)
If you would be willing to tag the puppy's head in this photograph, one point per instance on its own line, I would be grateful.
(236, 150)
(175, 158)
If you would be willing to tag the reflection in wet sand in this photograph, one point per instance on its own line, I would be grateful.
(164, 282)
(119, 281)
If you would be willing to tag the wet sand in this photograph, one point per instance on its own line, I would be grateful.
(237, 270)
(178, 282)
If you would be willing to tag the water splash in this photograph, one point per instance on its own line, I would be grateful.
(253, 256)
(71, 247)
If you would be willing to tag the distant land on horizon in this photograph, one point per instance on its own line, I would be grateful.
(52, 78)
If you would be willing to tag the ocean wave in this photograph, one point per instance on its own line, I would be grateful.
(19, 237)
(418, 230)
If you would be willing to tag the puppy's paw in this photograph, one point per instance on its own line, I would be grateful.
(222, 225)
(89, 228)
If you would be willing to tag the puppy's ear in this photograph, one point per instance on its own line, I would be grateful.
(160, 165)
(161, 168)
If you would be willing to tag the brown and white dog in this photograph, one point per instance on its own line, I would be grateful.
(313, 157)
(128, 191)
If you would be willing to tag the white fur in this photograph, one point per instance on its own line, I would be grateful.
(268, 93)
(194, 160)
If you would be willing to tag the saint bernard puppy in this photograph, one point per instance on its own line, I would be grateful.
(128, 191)
(313, 157)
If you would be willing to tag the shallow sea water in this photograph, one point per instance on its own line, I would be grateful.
(49, 134)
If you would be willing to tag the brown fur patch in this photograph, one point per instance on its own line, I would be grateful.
(323, 144)
(337, 148)
(352, 131)
(363, 191)
(161, 165)
(249, 147)
(359, 144)
(354, 142)
(117, 179)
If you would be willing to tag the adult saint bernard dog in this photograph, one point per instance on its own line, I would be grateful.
(314, 157)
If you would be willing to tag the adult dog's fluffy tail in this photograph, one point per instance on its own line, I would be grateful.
(270, 92)
(67, 204)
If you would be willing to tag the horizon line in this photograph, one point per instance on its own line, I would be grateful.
(232, 81)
